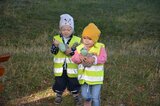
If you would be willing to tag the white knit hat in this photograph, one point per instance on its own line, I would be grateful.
(66, 19)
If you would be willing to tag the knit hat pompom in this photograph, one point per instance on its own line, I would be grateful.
(91, 31)
(66, 19)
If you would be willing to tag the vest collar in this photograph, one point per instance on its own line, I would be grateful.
(68, 40)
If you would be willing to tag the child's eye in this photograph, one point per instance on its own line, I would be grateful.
(89, 38)
(69, 30)
(84, 37)
(66, 29)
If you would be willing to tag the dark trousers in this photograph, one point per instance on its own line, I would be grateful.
(63, 82)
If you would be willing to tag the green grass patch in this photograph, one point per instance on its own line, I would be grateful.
(130, 30)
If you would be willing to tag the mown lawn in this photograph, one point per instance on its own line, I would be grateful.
(130, 30)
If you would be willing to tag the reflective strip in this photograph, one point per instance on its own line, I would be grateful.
(91, 79)
(72, 71)
(69, 70)
(58, 70)
(92, 68)
(57, 91)
(61, 60)
(68, 60)
(74, 91)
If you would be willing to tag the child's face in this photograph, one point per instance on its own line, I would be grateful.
(88, 42)
(66, 31)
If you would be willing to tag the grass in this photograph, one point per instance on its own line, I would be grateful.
(130, 30)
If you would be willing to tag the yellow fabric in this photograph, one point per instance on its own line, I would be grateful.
(94, 50)
(92, 32)
(94, 74)
(60, 57)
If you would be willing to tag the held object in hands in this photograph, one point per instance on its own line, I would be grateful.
(85, 53)
(63, 47)
(74, 46)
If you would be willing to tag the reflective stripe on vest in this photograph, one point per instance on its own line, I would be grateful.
(60, 57)
(61, 60)
(90, 79)
(69, 70)
(94, 74)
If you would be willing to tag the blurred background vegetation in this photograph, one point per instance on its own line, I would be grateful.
(130, 30)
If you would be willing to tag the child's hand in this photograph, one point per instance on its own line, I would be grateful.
(82, 58)
(87, 61)
(56, 43)
(68, 51)
(90, 60)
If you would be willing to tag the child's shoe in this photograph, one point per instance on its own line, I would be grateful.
(78, 100)
(58, 99)
(87, 103)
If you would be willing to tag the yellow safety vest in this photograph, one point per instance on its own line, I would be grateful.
(60, 57)
(94, 74)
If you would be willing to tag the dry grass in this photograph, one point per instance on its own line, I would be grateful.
(130, 30)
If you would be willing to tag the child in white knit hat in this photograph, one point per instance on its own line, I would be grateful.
(65, 71)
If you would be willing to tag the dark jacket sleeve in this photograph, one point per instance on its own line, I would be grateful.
(54, 49)
(72, 52)
(73, 48)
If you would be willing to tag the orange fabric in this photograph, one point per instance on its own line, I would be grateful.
(92, 32)
(1, 70)
(1, 87)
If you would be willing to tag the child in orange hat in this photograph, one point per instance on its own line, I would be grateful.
(90, 64)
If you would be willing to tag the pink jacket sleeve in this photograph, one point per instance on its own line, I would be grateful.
(75, 58)
(102, 58)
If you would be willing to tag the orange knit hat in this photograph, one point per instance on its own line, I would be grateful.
(92, 32)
